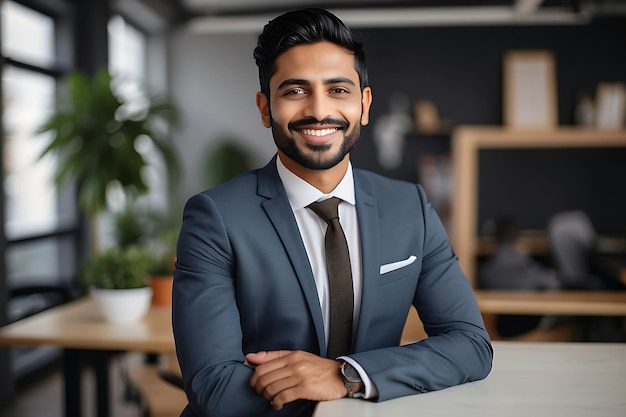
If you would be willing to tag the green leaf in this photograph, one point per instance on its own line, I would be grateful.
(93, 138)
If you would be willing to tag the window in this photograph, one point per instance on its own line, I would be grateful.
(40, 221)
(127, 51)
(30, 196)
(127, 66)
(36, 216)
(27, 36)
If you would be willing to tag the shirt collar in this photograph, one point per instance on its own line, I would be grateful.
(300, 193)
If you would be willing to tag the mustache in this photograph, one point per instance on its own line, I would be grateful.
(297, 124)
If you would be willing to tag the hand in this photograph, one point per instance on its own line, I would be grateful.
(283, 376)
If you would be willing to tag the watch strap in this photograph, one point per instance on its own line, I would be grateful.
(351, 379)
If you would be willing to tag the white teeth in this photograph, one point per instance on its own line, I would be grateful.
(318, 132)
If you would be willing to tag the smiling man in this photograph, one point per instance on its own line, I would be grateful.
(316, 109)
(279, 304)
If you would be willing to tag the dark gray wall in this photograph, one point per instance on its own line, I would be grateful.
(460, 70)
(214, 79)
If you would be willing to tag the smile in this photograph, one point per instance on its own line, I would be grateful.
(318, 132)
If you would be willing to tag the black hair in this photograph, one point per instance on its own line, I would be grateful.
(299, 27)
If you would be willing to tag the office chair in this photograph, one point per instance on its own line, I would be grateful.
(572, 237)
(572, 240)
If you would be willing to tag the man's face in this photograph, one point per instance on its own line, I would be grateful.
(316, 107)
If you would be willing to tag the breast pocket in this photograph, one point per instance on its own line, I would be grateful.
(397, 270)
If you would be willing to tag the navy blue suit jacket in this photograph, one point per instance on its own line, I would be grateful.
(243, 283)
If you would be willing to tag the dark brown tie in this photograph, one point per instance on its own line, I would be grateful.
(339, 278)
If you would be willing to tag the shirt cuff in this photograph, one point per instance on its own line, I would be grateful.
(370, 388)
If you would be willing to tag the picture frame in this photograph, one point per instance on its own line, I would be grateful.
(529, 90)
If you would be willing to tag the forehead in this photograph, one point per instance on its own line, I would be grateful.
(309, 62)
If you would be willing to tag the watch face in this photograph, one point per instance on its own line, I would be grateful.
(350, 373)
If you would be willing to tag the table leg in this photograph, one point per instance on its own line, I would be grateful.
(101, 362)
(72, 371)
(74, 362)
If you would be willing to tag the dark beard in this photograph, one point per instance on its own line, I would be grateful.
(317, 161)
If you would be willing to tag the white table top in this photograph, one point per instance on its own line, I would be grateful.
(528, 379)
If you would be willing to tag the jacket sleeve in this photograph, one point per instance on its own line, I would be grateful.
(205, 318)
(458, 348)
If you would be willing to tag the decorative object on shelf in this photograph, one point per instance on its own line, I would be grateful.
(610, 106)
(585, 111)
(390, 130)
(530, 93)
(117, 281)
(435, 175)
(427, 117)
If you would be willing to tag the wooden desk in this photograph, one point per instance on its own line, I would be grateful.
(89, 340)
(77, 325)
(576, 303)
(528, 379)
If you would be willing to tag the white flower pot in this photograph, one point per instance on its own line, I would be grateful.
(122, 306)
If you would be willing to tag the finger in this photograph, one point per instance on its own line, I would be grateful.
(271, 384)
(285, 388)
(267, 373)
(258, 358)
(286, 396)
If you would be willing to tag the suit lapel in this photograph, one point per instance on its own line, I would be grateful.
(367, 212)
(280, 214)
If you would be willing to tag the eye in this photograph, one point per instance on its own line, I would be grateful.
(294, 91)
(339, 90)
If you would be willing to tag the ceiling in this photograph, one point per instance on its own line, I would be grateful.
(238, 15)
(248, 6)
(250, 15)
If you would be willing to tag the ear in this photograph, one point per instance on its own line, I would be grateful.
(264, 108)
(366, 102)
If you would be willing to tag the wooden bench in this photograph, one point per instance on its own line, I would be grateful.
(158, 397)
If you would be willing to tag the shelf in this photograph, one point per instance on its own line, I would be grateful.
(536, 244)
(468, 141)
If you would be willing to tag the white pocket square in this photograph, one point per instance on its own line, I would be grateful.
(397, 265)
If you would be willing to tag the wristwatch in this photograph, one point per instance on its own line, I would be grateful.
(351, 379)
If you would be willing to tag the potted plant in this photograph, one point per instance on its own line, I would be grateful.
(117, 281)
(101, 139)
(155, 233)
(160, 272)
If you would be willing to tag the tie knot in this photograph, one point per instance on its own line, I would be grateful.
(327, 209)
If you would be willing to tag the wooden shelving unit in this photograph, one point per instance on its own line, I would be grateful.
(468, 141)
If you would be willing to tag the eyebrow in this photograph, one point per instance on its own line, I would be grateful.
(300, 81)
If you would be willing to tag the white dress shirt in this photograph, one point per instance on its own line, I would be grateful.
(313, 229)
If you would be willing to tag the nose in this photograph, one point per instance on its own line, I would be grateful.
(318, 105)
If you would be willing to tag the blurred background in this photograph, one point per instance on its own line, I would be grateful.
(434, 66)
